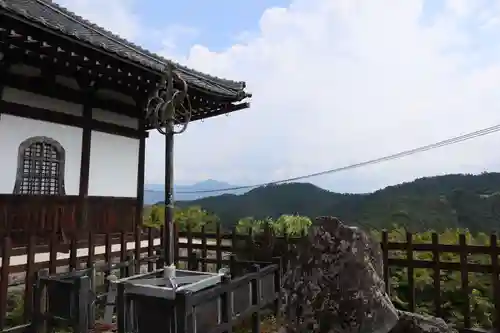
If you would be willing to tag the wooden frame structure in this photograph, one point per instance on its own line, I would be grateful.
(210, 249)
(49, 53)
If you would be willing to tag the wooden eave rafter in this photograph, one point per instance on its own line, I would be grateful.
(32, 44)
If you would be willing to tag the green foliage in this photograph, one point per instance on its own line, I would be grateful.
(453, 298)
(479, 290)
(193, 217)
(15, 309)
(451, 201)
(292, 225)
(248, 225)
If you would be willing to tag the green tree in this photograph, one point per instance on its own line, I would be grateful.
(193, 217)
(292, 225)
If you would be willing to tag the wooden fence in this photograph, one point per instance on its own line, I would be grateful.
(20, 264)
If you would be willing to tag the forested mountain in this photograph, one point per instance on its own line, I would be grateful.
(154, 193)
(466, 201)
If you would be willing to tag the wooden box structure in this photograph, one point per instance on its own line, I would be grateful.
(214, 308)
(73, 126)
(63, 298)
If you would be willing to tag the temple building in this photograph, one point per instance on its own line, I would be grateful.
(72, 120)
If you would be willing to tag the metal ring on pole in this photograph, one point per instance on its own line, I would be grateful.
(168, 104)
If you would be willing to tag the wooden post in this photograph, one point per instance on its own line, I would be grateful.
(4, 278)
(193, 261)
(233, 266)
(92, 308)
(88, 88)
(29, 279)
(184, 317)
(226, 309)
(81, 324)
(277, 286)
(204, 249)
(465, 279)
(218, 249)
(411, 275)
(38, 323)
(496, 282)
(385, 261)
(256, 299)
(121, 309)
(436, 274)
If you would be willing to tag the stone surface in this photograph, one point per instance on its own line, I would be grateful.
(334, 283)
(414, 323)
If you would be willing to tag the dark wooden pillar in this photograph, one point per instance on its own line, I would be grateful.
(88, 88)
(141, 166)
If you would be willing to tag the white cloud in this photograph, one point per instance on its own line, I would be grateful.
(114, 15)
(173, 38)
(339, 82)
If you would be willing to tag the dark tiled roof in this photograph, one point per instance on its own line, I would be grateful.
(62, 20)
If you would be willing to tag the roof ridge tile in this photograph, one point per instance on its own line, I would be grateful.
(135, 46)
(59, 18)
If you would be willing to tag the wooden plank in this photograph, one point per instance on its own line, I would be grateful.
(29, 279)
(73, 253)
(256, 300)
(385, 261)
(91, 249)
(218, 244)
(464, 274)
(411, 273)
(123, 253)
(436, 275)
(495, 280)
(204, 252)
(150, 249)
(189, 241)
(137, 249)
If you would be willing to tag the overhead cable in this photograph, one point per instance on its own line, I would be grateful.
(447, 142)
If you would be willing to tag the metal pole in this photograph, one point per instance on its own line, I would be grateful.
(168, 230)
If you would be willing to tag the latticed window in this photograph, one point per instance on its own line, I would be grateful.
(40, 168)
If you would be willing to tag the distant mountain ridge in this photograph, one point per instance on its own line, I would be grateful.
(449, 201)
(154, 193)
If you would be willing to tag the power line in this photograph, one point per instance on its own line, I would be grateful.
(402, 154)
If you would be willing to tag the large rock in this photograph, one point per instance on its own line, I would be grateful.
(334, 283)
(415, 323)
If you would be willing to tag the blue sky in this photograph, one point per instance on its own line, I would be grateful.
(335, 82)
(218, 23)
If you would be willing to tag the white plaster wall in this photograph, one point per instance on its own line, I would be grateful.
(113, 165)
(14, 130)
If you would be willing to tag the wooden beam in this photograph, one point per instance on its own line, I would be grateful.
(30, 112)
(106, 63)
(41, 86)
(5, 63)
(57, 57)
(4, 68)
(70, 68)
(204, 105)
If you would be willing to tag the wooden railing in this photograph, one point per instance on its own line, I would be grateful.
(63, 216)
(400, 259)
